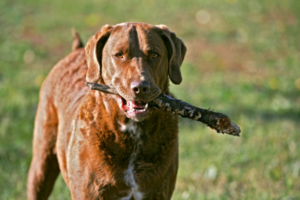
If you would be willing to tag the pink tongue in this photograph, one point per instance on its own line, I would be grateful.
(128, 105)
(136, 104)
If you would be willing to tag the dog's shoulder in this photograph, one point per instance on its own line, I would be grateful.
(66, 81)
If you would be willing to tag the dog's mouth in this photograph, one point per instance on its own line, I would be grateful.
(136, 110)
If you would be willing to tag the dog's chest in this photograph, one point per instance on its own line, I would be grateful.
(134, 130)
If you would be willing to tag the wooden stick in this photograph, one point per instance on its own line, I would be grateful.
(218, 121)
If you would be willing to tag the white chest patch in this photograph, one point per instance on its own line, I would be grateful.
(135, 132)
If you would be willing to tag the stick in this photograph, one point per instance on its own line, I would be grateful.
(218, 121)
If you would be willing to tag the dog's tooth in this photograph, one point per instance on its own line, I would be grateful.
(131, 106)
(146, 106)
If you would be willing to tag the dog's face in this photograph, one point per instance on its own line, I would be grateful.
(137, 60)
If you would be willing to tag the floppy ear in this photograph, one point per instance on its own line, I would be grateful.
(93, 53)
(176, 53)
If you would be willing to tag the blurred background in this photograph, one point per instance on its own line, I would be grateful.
(243, 60)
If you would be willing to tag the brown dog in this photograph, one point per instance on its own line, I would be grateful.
(109, 146)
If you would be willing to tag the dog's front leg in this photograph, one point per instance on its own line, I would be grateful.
(44, 167)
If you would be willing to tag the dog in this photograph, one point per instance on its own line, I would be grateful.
(109, 146)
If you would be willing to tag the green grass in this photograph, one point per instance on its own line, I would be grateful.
(243, 60)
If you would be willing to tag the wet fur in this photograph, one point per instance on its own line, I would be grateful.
(100, 152)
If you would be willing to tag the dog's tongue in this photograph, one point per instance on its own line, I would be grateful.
(136, 104)
(130, 105)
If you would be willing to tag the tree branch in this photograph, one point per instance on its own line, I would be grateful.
(218, 121)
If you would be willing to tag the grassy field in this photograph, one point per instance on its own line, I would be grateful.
(243, 60)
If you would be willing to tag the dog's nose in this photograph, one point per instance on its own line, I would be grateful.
(140, 87)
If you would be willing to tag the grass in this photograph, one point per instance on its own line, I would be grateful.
(243, 60)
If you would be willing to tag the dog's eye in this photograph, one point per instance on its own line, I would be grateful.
(119, 55)
(154, 55)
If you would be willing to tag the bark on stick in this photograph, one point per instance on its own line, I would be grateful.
(218, 121)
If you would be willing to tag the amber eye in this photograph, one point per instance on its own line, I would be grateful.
(154, 56)
(119, 55)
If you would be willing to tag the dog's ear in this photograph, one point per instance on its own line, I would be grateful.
(176, 53)
(93, 53)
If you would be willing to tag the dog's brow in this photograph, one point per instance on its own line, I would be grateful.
(120, 47)
(149, 49)
(152, 49)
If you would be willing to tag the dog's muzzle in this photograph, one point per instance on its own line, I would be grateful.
(136, 110)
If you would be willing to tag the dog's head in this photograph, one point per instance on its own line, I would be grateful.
(136, 59)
